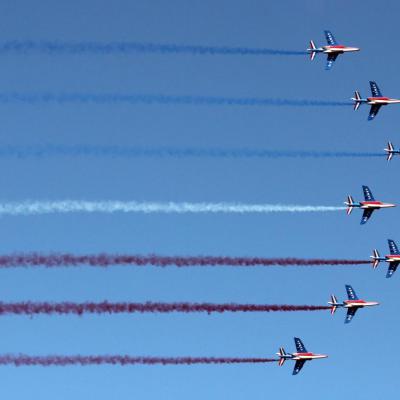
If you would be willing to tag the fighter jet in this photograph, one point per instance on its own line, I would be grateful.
(333, 49)
(376, 101)
(393, 258)
(352, 304)
(369, 205)
(301, 356)
(391, 151)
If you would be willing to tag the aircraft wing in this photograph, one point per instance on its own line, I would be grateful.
(373, 111)
(393, 247)
(329, 38)
(375, 89)
(350, 314)
(351, 294)
(298, 366)
(368, 196)
(392, 269)
(331, 59)
(299, 345)
(366, 216)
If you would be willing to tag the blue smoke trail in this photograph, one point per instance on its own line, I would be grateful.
(56, 47)
(149, 99)
(168, 152)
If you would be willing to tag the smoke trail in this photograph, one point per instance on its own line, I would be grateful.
(149, 99)
(166, 152)
(72, 206)
(107, 260)
(125, 48)
(62, 361)
(33, 308)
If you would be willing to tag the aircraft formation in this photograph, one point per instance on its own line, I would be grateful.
(368, 206)
(333, 49)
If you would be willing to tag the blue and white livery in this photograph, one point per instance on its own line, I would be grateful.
(393, 258)
(332, 49)
(353, 303)
(376, 101)
(369, 205)
(301, 356)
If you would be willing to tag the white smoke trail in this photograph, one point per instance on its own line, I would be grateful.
(73, 206)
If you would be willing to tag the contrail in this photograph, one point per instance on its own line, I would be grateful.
(107, 260)
(105, 307)
(126, 48)
(149, 99)
(73, 206)
(20, 360)
(168, 152)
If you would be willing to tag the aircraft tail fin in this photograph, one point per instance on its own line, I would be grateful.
(349, 203)
(282, 356)
(376, 258)
(357, 98)
(312, 50)
(334, 303)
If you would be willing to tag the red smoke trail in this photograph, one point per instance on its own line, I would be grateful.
(47, 361)
(31, 308)
(106, 260)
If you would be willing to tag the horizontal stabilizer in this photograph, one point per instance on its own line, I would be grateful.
(334, 303)
(375, 259)
(357, 100)
(282, 355)
(349, 203)
(312, 50)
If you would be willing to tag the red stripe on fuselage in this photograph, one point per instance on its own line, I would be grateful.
(355, 301)
(377, 98)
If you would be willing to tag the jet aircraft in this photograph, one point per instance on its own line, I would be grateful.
(352, 304)
(376, 101)
(332, 49)
(369, 205)
(393, 258)
(391, 151)
(301, 356)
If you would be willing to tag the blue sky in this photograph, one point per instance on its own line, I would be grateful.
(359, 360)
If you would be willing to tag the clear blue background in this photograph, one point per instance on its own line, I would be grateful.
(361, 355)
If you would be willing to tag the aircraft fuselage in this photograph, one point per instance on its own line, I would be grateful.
(375, 205)
(359, 303)
(340, 49)
(382, 101)
(307, 356)
(392, 258)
